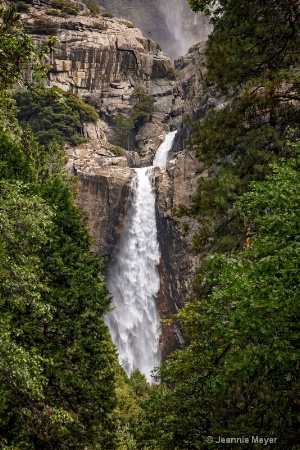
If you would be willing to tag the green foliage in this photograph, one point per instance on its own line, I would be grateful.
(239, 374)
(65, 6)
(116, 150)
(123, 126)
(54, 114)
(58, 347)
(52, 300)
(171, 74)
(253, 40)
(57, 363)
(140, 114)
(14, 164)
(45, 163)
(143, 107)
(18, 50)
(129, 25)
(24, 221)
(94, 9)
(99, 26)
(246, 57)
(128, 414)
(22, 7)
(44, 26)
(108, 15)
(55, 12)
(204, 5)
(235, 147)
(8, 122)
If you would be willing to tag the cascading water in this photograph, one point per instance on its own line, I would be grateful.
(133, 278)
(161, 155)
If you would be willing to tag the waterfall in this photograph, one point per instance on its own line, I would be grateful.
(186, 27)
(133, 278)
(163, 150)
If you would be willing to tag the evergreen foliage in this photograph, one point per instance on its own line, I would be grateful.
(54, 114)
(18, 50)
(253, 57)
(65, 6)
(44, 26)
(94, 9)
(239, 374)
(140, 114)
(57, 362)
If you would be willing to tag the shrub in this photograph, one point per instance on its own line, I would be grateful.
(171, 74)
(117, 150)
(99, 26)
(29, 2)
(55, 12)
(91, 5)
(143, 108)
(66, 6)
(109, 15)
(22, 7)
(54, 114)
(129, 25)
(44, 26)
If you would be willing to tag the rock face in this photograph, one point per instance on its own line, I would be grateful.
(197, 96)
(103, 60)
(174, 187)
(104, 181)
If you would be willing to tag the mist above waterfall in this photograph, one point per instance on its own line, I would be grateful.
(185, 26)
(169, 22)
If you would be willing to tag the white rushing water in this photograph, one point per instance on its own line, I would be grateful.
(161, 155)
(133, 278)
(186, 27)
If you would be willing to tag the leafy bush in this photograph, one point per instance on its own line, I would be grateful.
(55, 12)
(109, 15)
(129, 25)
(22, 7)
(29, 2)
(117, 150)
(65, 6)
(143, 108)
(54, 114)
(94, 9)
(54, 343)
(44, 26)
(171, 74)
(99, 26)
(141, 113)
